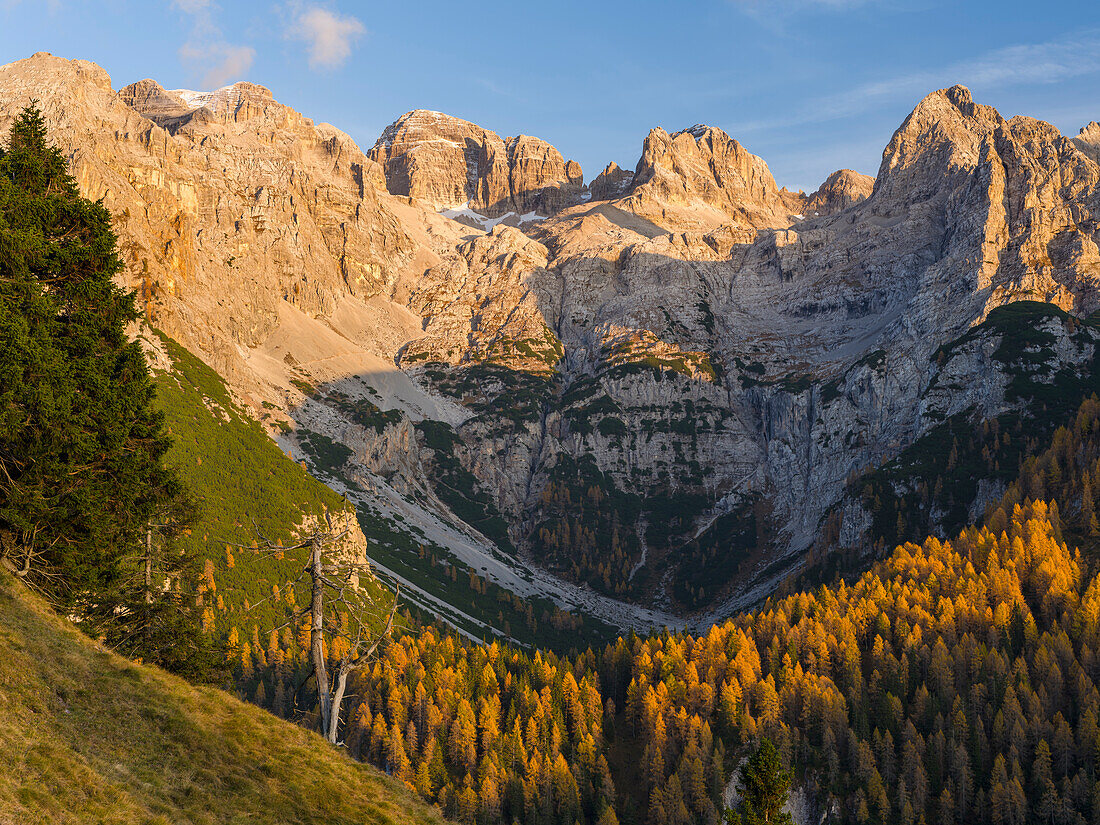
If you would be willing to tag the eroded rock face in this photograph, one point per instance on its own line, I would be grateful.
(702, 177)
(840, 190)
(447, 162)
(611, 183)
(159, 105)
(238, 205)
(713, 366)
(1088, 140)
(819, 334)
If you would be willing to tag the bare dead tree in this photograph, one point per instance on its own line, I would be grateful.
(334, 591)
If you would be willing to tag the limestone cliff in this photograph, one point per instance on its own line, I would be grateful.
(700, 178)
(1088, 140)
(447, 162)
(773, 364)
(611, 183)
(236, 205)
(662, 388)
(840, 190)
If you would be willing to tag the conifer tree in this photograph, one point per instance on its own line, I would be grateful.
(88, 510)
(765, 788)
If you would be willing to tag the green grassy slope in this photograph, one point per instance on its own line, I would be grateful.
(241, 476)
(245, 484)
(88, 736)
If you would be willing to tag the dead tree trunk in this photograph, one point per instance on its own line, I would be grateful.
(327, 570)
(149, 565)
(337, 700)
(316, 635)
(348, 665)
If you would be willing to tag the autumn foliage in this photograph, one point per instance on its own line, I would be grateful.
(956, 682)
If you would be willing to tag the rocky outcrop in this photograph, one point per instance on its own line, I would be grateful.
(239, 205)
(166, 109)
(447, 162)
(820, 335)
(486, 303)
(699, 178)
(1088, 140)
(840, 190)
(539, 179)
(611, 183)
(681, 342)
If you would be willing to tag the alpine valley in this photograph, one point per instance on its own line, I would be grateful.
(668, 465)
(650, 400)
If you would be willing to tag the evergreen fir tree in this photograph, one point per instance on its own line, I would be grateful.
(88, 511)
(765, 787)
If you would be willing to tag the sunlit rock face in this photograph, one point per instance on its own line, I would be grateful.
(662, 383)
(446, 162)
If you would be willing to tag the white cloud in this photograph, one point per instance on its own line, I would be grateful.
(191, 6)
(1037, 63)
(214, 60)
(328, 36)
(220, 63)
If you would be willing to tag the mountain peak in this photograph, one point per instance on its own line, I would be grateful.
(224, 98)
(701, 177)
(175, 108)
(452, 163)
(697, 131)
(841, 189)
(1088, 140)
(42, 67)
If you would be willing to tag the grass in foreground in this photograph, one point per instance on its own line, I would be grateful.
(88, 736)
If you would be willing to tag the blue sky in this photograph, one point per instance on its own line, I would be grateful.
(810, 85)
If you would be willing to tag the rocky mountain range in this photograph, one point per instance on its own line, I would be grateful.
(660, 386)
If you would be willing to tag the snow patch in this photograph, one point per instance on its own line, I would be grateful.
(196, 100)
(697, 131)
(464, 211)
(464, 214)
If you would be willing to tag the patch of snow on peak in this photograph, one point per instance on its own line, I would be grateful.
(456, 213)
(196, 100)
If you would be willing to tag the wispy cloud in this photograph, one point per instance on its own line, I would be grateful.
(328, 36)
(220, 62)
(1039, 63)
(775, 14)
(54, 6)
(762, 7)
(206, 51)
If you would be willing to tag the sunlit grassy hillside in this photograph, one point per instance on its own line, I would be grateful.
(88, 736)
